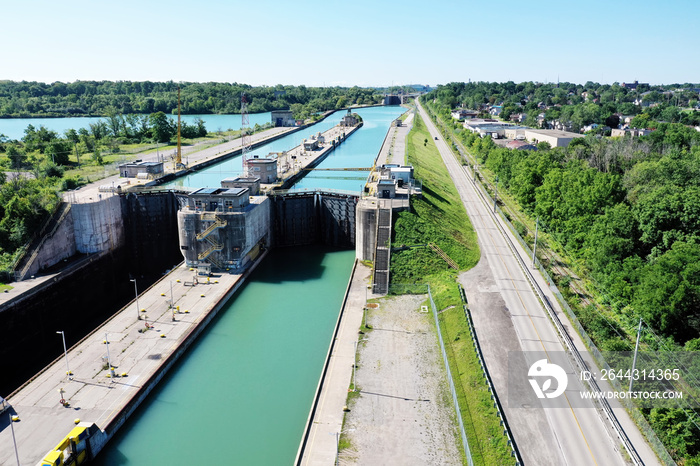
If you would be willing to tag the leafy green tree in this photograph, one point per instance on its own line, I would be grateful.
(162, 128)
(37, 139)
(16, 156)
(59, 151)
(679, 433)
(668, 214)
(543, 146)
(611, 239)
(48, 169)
(669, 292)
(72, 136)
(643, 120)
(201, 129)
(97, 157)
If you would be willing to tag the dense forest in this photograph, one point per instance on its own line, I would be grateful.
(96, 98)
(628, 209)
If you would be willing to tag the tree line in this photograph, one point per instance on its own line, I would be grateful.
(95, 98)
(578, 104)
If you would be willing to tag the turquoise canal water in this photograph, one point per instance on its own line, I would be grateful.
(242, 393)
(359, 150)
(14, 128)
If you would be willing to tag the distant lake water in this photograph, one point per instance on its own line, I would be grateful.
(14, 128)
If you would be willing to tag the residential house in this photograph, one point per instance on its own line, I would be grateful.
(634, 132)
(496, 110)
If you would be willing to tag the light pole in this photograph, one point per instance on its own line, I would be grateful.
(636, 350)
(136, 292)
(534, 248)
(65, 351)
(12, 428)
(109, 360)
(495, 196)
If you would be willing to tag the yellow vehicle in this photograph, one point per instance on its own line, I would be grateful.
(73, 450)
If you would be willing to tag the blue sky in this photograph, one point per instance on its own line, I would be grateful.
(359, 42)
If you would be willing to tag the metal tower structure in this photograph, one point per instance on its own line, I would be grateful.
(245, 133)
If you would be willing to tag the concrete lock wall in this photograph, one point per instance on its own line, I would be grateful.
(59, 244)
(98, 225)
(85, 294)
(92, 287)
(257, 225)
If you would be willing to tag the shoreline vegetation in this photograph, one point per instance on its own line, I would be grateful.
(102, 98)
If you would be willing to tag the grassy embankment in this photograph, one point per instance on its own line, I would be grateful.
(439, 217)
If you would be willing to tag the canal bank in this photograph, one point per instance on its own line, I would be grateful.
(242, 392)
(142, 347)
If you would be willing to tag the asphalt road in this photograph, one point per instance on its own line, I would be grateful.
(571, 432)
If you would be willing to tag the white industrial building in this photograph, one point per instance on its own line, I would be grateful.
(554, 137)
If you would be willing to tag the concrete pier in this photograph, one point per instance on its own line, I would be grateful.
(139, 354)
(294, 164)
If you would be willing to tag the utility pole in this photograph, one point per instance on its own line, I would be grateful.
(636, 350)
(495, 196)
(14, 440)
(109, 360)
(534, 248)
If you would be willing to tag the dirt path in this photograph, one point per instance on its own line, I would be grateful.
(403, 413)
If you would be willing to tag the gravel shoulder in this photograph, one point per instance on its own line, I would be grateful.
(403, 413)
